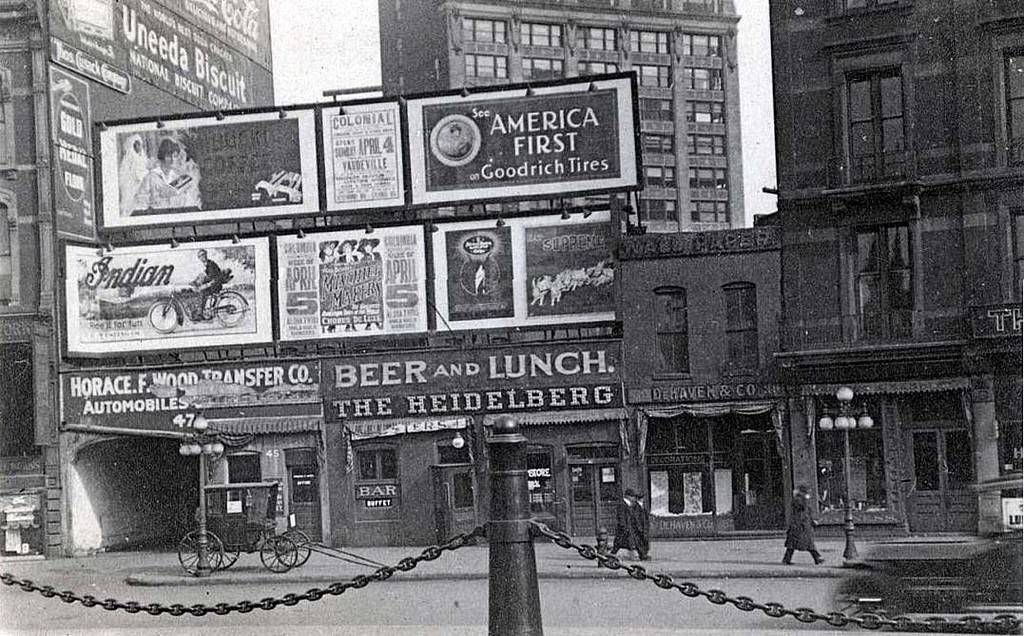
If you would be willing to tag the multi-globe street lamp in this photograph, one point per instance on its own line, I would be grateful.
(203, 445)
(844, 421)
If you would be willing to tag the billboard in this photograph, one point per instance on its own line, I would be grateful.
(456, 384)
(166, 399)
(213, 54)
(351, 284)
(157, 297)
(529, 271)
(199, 170)
(515, 143)
(363, 156)
(73, 188)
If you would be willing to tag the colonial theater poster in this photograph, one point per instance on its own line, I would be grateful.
(201, 170)
(363, 156)
(531, 271)
(157, 297)
(517, 143)
(352, 284)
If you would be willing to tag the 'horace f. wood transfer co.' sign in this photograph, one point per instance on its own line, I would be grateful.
(530, 378)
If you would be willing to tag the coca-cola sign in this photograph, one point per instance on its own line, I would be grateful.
(243, 24)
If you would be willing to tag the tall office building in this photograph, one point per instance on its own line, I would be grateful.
(683, 52)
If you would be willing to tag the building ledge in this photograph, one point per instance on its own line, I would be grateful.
(872, 354)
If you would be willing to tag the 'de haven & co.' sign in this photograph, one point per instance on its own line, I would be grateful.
(534, 378)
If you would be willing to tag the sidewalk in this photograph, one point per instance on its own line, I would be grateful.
(692, 559)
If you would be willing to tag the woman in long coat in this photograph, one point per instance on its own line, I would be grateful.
(628, 528)
(800, 533)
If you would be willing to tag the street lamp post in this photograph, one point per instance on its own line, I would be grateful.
(199, 443)
(845, 421)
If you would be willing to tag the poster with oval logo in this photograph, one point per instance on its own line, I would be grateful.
(531, 271)
(158, 297)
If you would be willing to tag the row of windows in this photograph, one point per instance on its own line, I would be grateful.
(700, 211)
(672, 327)
(593, 38)
(706, 145)
(660, 176)
(696, 111)
(717, 178)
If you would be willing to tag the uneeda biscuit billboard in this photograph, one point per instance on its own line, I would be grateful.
(519, 142)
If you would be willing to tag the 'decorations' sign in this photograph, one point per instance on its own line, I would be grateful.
(352, 284)
(504, 144)
(458, 383)
(363, 156)
(157, 297)
(201, 169)
(157, 399)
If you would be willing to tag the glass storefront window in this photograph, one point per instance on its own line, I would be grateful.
(539, 482)
(867, 469)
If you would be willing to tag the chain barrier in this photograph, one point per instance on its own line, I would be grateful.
(1001, 624)
(222, 609)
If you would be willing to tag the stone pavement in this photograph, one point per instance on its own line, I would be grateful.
(685, 559)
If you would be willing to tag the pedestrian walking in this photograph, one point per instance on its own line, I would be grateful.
(800, 533)
(628, 525)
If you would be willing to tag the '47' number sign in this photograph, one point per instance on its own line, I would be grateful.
(188, 420)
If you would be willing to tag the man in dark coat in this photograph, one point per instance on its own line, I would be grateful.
(629, 525)
(800, 533)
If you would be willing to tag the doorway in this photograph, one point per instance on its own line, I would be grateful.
(594, 491)
(757, 482)
(454, 500)
(942, 466)
(304, 491)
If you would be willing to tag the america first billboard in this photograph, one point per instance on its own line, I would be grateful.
(431, 384)
(520, 143)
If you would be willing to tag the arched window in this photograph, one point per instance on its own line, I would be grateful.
(672, 330)
(741, 325)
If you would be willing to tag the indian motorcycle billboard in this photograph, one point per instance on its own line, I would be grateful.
(520, 143)
(204, 169)
(432, 384)
(351, 284)
(530, 271)
(157, 297)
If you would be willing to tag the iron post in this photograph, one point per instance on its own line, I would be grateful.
(203, 548)
(850, 552)
(513, 595)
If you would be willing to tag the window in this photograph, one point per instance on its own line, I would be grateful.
(705, 112)
(672, 330)
(1014, 105)
(538, 68)
(653, 142)
(884, 296)
(648, 41)
(702, 79)
(598, 39)
(6, 261)
(1018, 248)
(477, 30)
(538, 34)
(657, 210)
(244, 468)
(864, 4)
(708, 178)
(867, 468)
(598, 68)
(6, 121)
(539, 482)
(706, 145)
(660, 176)
(448, 454)
(17, 406)
(462, 490)
(651, 75)
(875, 110)
(709, 211)
(656, 109)
(486, 66)
(702, 45)
(741, 325)
(377, 464)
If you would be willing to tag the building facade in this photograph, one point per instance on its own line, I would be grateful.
(64, 66)
(684, 54)
(699, 314)
(901, 215)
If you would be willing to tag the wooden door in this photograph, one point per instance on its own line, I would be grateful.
(941, 499)
(594, 493)
(304, 499)
(454, 500)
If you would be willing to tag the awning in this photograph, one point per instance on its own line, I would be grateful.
(263, 425)
(710, 409)
(581, 416)
(877, 388)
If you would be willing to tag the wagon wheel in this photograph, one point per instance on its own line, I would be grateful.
(188, 552)
(231, 553)
(278, 553)
(302, 542)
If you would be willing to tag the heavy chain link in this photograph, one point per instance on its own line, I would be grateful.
(221, 609)
(1001, 624)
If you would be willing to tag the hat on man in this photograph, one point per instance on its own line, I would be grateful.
(630, 492)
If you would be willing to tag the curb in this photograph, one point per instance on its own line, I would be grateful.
(569, 573)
